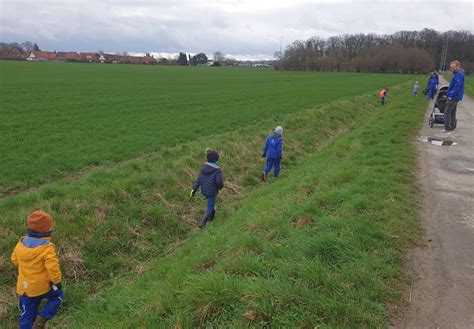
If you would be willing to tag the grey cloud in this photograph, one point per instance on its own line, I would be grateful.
(232, 27)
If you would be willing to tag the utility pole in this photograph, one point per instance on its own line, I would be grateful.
(446, 53)
(441, 59)
(444, 56)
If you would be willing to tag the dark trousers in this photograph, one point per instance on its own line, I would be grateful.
(211, 202)
(272, 162)
(29, 307)
(450, 115)
(382, 100)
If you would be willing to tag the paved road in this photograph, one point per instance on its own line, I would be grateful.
(442, 291)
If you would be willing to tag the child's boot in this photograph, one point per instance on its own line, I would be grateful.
(203, 221)
(213, 213)
(40, 322)
(264, 177)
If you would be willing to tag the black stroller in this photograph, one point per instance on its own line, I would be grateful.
(437, 114)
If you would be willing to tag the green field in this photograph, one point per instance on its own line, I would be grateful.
(58, 118)
(469, 86)
(319, 247)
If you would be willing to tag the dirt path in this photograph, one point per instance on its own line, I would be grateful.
(442, 270)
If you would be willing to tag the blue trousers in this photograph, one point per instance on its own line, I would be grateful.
(211, 202)
(29, 307)
(270, 163)
(432, 93)
(382, 100)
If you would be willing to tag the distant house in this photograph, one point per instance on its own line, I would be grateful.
(131, 60)
(42, 56)
(11, 53)
(112, 58)
(60, 55)
(148, 60)
(89, 57)
(69, 56)
(102, 58)
(72, 56)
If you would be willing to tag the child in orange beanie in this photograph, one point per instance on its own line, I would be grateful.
(39, 275)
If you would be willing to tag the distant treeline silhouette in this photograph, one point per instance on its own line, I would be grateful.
(401, 52)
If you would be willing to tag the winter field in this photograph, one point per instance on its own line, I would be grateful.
(112, 151)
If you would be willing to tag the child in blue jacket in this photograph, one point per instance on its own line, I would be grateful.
(433, 86)
(272, 150)
(210, 180)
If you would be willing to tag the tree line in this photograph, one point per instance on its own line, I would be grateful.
(21, 47)
(401, 52)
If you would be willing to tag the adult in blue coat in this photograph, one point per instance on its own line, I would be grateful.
(455, 94)
(433, 85)
(273, 152)
(210, 181)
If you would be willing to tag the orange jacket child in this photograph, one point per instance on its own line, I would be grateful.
(39, 275)
(383, 93)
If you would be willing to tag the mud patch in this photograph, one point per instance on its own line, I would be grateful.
(460, 166)
(436, 141)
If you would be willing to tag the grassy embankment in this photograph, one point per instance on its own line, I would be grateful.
(318, 248)
(59, 119)
(469, 85)
(114, 221)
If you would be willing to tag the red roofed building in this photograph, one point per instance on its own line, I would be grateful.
(89, 57)
(11, 53)
(149, 60)
(69, 56)
(42, 56)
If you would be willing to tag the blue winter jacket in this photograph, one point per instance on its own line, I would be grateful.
(433, 83)
(273, 146)
(209, 179)
(456, 86)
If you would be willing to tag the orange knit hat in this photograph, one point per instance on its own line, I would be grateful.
(40, 221)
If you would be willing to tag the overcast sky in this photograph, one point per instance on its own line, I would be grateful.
(250, 28)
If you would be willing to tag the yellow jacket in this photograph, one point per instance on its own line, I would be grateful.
(37, 264)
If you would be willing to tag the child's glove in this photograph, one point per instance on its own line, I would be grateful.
(263, 155)
(193, 192)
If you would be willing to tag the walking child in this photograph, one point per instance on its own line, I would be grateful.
(416, 87)
(273, 152)
(39, 275)
(210, 180)
(433, 86)
(383, 94)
